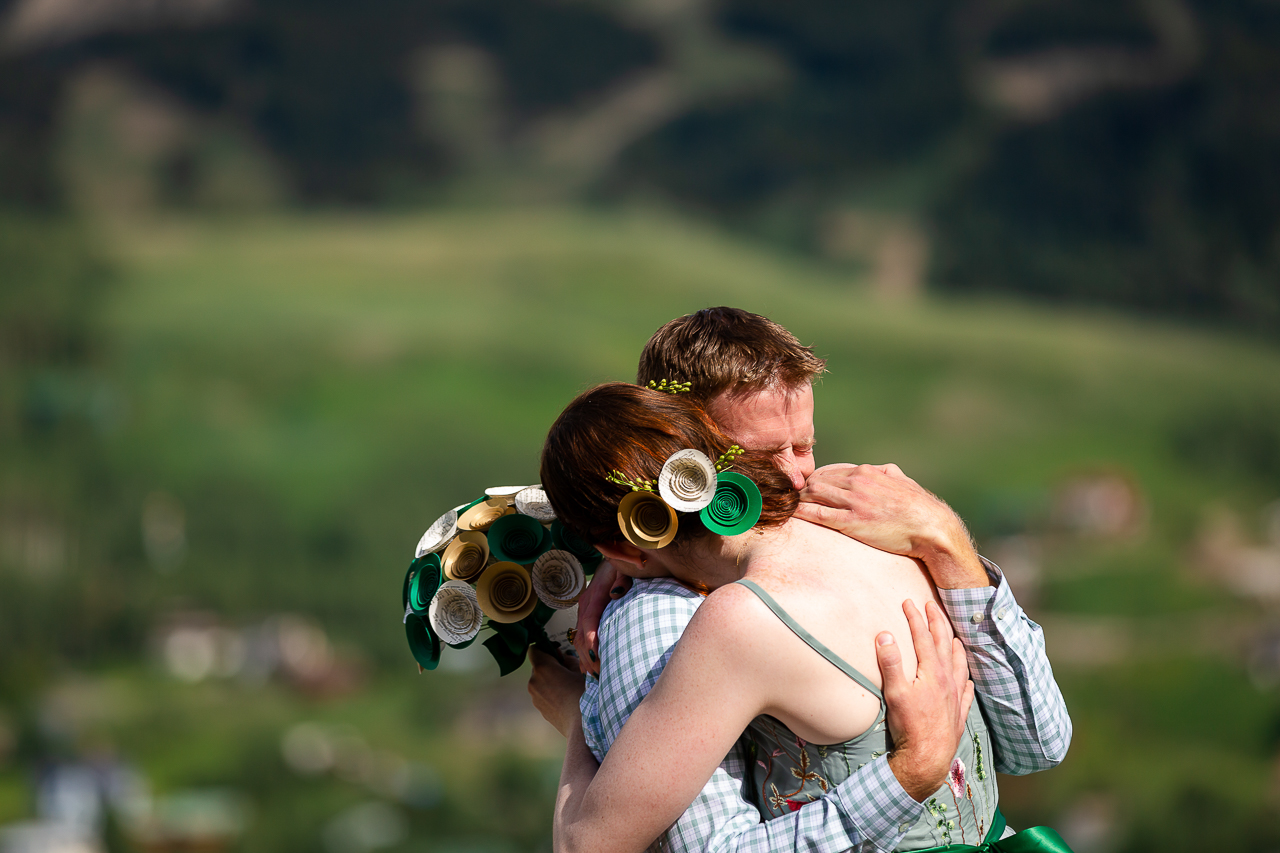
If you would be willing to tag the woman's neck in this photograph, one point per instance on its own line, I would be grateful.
(721, 560)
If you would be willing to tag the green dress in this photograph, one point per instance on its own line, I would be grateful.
(787, 772)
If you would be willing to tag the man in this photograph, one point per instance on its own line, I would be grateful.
(755, 379)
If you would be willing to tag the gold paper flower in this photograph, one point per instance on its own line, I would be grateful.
(646, 520)
(485, 513)
(505, 592)
(466, 556)
(558, 579)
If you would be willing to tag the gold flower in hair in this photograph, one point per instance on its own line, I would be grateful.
(646, 520)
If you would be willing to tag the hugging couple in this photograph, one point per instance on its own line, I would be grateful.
(807, 684)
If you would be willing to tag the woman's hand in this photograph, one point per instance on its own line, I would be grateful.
(555, 690)
(606, 585)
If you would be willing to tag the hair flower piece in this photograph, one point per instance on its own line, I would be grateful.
(558, 579)
(455, 613)
(725, 460)
(670, 386)
(438, 535)
(687, 481)
(646, 520)
(735, 507)
(518, 539)
(634, 485)
(485, 513)
(505, 593)
(533, 503)
(466, 556)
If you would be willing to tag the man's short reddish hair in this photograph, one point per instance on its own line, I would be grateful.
(727, 350)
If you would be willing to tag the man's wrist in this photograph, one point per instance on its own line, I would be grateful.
(952, 561)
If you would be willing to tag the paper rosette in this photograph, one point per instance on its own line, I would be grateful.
(424, 645)
(558, 579)
(507, 492)
(438, 535)
(505, 592)
(455, 613)
(687, 481)
(533, 503)
(646, 520)
(421, 583)
(735, 507)
(517, 539)
(485, 513)
(566, 540)
(466, 556)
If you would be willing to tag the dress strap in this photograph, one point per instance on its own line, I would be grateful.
(808, 638)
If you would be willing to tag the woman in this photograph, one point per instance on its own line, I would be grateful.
(783, 648)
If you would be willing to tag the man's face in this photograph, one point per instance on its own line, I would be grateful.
(779, 420)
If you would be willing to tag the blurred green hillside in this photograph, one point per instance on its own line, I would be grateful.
(273, 408)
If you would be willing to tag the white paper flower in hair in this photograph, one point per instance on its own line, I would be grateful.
(558, 579)
(455, 613)
(438, 535)
(687, 481)
(533, 503)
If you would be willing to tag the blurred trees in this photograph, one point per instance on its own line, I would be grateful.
(1084, 151)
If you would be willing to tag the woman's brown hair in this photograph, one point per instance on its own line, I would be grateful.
(632, 430)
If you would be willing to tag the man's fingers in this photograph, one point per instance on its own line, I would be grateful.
(959, 661)
(966, 701)
(818, 514)
(889, 656)
(926, 653)
(940, 629)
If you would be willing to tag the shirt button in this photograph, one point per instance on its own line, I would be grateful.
(1001, 613)
(904, 826)
(976, 618)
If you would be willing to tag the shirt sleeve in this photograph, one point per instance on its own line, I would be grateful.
(1030, 726)
(868, 811)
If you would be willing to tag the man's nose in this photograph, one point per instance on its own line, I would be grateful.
(791, 467)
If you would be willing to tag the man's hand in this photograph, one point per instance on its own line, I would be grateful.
(886, 509)
(926, 716)
(606, 585)
(555, 690)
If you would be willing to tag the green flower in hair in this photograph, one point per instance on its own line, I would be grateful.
(670, 386)
(736, 506)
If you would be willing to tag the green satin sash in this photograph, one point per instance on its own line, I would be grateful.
(1038, 839)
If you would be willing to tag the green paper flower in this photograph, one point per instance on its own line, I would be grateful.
(424, 645)
(517, 539)
(421, 583)
(736, 506)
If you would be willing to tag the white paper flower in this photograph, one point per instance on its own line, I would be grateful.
(455, 612)
(503, 491)
(558, 579)
(533, 503)
(438, 535)
(687, 481)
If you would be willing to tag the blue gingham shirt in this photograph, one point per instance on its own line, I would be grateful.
(869, 811)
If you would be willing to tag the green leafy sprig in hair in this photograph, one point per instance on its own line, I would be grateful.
(670, 387)
(621, 479)
(725, 460)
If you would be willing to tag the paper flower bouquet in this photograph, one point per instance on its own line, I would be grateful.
(502, 563)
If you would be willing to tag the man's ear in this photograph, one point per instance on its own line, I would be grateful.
(621, 552)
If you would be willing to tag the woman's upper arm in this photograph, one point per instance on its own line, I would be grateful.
(678, 735)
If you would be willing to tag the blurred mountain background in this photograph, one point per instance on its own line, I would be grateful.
(280, 282)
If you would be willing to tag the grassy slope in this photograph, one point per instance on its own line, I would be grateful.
(363, 374)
